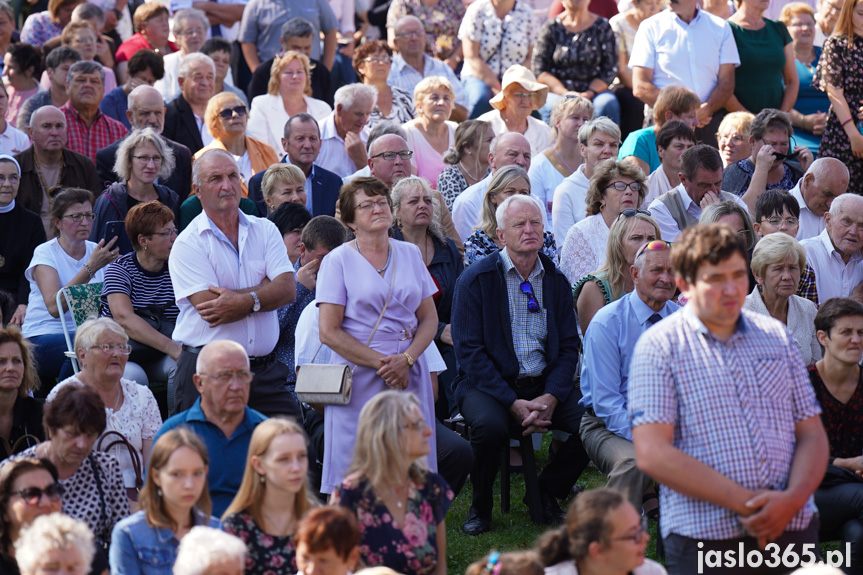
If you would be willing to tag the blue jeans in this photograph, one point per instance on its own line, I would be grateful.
(52, 364)
(604, 104)
(478, 95)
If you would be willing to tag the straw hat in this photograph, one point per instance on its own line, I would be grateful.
(520, 75)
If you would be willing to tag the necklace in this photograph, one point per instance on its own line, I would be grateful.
(389, 255)
(562, 162)
(42, 178)
(467, 173)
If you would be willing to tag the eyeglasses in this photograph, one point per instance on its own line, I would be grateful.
(654, 246)
(371, 205)
(228, 114)
(416, 425)
(225, 377)
(108, 348)
(377, 60)
(192, 32)
(167, 233)
(32, 495)
(410, 34)
(145, 160)
(77, 218)
(13, 180)
(776, 221)
(735, 139)
(527, 289)
(391, 156)
(521, 95)
(638, 535)
(621, 186)
(630, 213)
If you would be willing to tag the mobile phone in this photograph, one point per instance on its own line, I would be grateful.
(117, 229)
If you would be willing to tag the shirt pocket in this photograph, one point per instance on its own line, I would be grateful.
(775, 394)
(156, 560)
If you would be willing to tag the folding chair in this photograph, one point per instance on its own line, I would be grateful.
(83, 301)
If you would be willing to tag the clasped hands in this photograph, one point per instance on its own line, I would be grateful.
(394, 371)
(534, 414)
(767, 515)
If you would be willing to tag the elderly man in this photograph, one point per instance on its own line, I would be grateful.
(723, 414)
(411, 64)
(825, 179)
(89, 130)
(826, 18)
(343, 140)
(516, 343)
(700, 186)
(297, 34)
(57, 65)
(147, 110)
(57, 165)
(302, 142)
(221, 417)
(834, 254)
(184, 117)
(230, 274)
(608, 347)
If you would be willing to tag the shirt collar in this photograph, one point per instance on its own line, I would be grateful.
(70, 108)
(328, 128)
(698, 326)
(508, 265)
(642, 311)
(684, 196)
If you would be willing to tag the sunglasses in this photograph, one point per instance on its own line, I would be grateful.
(227, 114)
(630, 213)
(32, 495)
(655, 246)
(527, 289)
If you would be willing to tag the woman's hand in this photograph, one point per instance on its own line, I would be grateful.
(764, 159)
(804, 156)
(857, 145)
(394, 371)
(854, 464)
(815, 123)
(18, 316)
(446, 334)
(103, 255)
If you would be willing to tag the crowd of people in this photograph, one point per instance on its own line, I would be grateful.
(634, 225)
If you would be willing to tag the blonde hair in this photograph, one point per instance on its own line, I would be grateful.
(795, 9)
(616, 268)
(280, 62)
(280, 174)
(501, 178)
(430, 84)
(214, 106)
(568, 105)
(123, 163)
(774, 248)
(410, 183)
(740, 121)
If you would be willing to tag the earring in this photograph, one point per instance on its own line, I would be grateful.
(468, 152)
(159, 492)
(263, 479)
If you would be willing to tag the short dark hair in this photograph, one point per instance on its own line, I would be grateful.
(835, 309)
(770, 119)
(700, 156)
(303, 118)
(65, 197)
(290, 216)
(674, 129)
(324, 231)
(700, 244)
(367, 49)
(11, 471)
(348, 193)
(775, 202)
(216, 44)
(75, 406)
(329, 527)
(26, 56)
(60, 55)
(147, 60)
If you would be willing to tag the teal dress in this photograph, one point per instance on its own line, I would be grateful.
(809, 101)
(642, 145)
(758, 80)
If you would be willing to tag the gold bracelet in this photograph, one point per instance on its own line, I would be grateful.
(409, 358)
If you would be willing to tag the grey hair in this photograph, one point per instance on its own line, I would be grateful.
(190, 60)
(85, 67)
(138, 91)
(773, 249)
(123, 163)
(196, 165)
(186, 14)
(85, 11)
(385, 128)
(303, 118)
(296, 28)
(53, 532)
(822, 166)
(347, 96)
(840, 201)
(7, 9)
(500, 214)
(90, 330)
(409, 184)
(498, 139)
(600, 124)
(204, 547)
(712, 214)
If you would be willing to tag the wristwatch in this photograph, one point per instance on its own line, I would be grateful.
(257, 305)
(409, 358)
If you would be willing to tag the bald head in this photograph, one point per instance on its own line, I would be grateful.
(508, 149)
(209, 358)
(825, 179)
(146, 109)
(48, 130)
(47, 113)
(410, 37)
(222, 378)
(389, 171)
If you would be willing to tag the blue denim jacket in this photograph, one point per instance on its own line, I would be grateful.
(137, 548)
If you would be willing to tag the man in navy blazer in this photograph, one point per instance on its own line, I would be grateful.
(516, 344)
(302, 142)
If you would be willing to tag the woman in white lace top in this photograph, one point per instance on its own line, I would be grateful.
(616, 186)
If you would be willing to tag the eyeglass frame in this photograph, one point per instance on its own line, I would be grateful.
(781, 220)
(240, 375)
(167, 233)
(625, 186)
(642, 529)
(56, 487)
(628, 213)
(402, 154)
(78, 218)
(111, 348)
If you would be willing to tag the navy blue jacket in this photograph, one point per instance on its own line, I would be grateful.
(482, 332)
(111, 206)
(325, 191)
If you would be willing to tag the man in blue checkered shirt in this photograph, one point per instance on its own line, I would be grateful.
(724, 417)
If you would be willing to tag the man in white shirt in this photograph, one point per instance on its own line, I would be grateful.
(826, 18)
(343, 140)
(688, 46)
(835, 253)
(700, 186)
(825, 179)
(230, 274)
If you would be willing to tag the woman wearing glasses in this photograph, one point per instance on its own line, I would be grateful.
(67, 259)
(142, 157)
(431, 134)
(520, 96)
(615, 187)
(102, 348)
(505, 182)
(372, 63)
(603, 533)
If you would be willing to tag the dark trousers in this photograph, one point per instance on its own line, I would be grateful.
(268, 393)
(682, 553)
(490, 429)
(841, 514)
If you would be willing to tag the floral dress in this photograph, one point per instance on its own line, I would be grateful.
(479, 244)
(267, 554)
(410, 549)
(839, 66)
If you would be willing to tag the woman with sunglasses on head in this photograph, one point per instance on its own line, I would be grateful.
(603, 533)
(616, 186)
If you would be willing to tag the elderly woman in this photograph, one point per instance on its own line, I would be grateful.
(226, 119)
(138, 295)
(733, 137)
(283, 183)
(173, 501)
(209, 551)
(389, 355)
(83, 38)
(576, 53)
(612, 280)
(92, 481)
(142, 157)
(389, 476)
(152, 32)
(472, 140)
(68, 259)
(288, 93)
(372, 63)
(102, 348)
(55, 543)
(22, 66)
(190, 30)
(615, 187)
(42, 26)
(809, 114)
(505, 182)
(519, 96)
(272, 497)
(777, 262)
(20, 413)
(431, 134)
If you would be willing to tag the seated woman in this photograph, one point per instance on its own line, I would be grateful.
(615, 187)
(400, 505)
(520, 95)
(776, 263)
(505, 182)
(372, 63)
(20, 414)
(55, 543)
(41, 26)
(272, 497)
(730, 213)
(283, 183)
(838, 383)
(12, 140)
(22, 66)
(431, 134)
(472, 140)
(173, 501)
(733, 137)
(290, 218)
(603, 533)
(73, 422)
(673, 138)
(673, 103)
(83, 38)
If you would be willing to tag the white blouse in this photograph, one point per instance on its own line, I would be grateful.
(584, 249)
(801, 322)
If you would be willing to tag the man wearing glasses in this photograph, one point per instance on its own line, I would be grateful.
(516, 343)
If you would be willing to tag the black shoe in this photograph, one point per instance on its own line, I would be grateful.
(551, 511)
(476, 524)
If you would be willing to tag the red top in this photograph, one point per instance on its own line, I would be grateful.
(138, 42)
(604, 8)
(87, 141)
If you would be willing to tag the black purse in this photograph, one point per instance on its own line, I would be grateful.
(155, 317)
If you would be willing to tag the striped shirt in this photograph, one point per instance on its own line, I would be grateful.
(529, 329)
(144, 288)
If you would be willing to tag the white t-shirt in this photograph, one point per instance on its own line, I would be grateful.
(13, 141)
(570, 203)
(544, 180)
